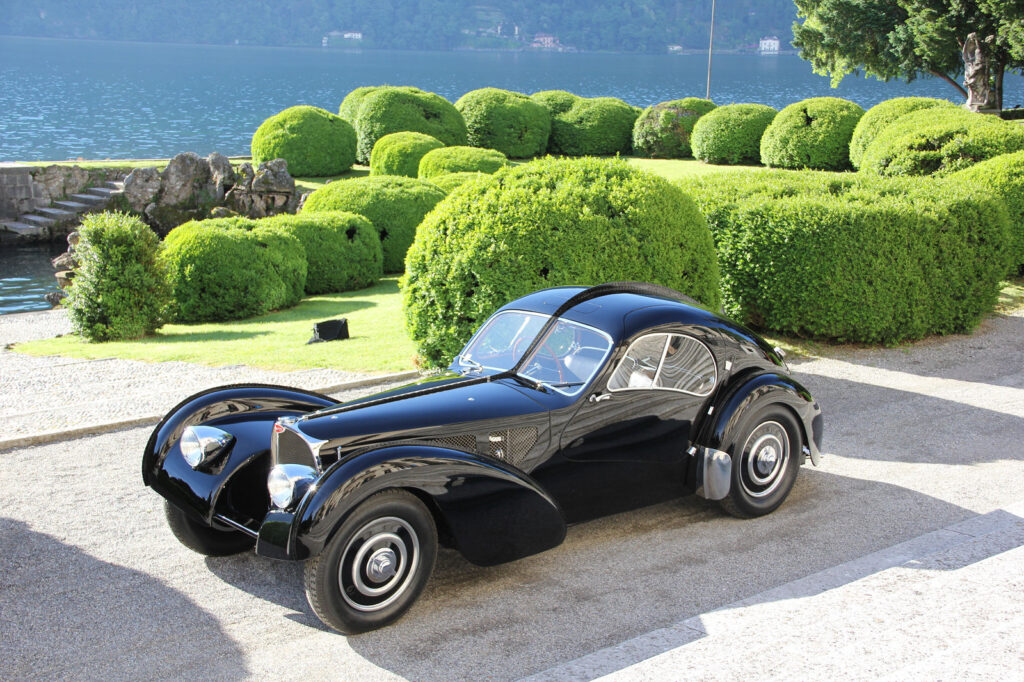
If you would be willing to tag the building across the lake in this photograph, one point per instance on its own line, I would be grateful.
(342, 37)
(769, 45)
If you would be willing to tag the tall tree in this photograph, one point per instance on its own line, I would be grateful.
(891, 39)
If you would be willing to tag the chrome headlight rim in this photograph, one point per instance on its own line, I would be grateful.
(289, 483)
(200, 444)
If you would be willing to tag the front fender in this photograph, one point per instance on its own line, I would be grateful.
(494, 512)
(246, 411)
(751, 393)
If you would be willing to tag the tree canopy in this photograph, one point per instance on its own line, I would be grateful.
(909, 38)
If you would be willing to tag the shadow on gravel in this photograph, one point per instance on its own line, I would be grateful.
(617, 577)
(66, 614)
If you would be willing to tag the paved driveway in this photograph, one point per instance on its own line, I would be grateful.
(93, 584)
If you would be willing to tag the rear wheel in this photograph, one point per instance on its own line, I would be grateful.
(203, 539)
(375, 566)
(765, 462)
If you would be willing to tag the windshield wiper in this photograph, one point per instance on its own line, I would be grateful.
(565, 384)
(472, 365)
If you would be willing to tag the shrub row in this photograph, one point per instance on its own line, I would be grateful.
(731, 134)
(814, 133)
(461, 160)
(313, 141)
(855, 258)
(593, 127)
(663, 131)
(1002, 176)
(400, 153)
(509, 122)
(548, 223)
(880, 116)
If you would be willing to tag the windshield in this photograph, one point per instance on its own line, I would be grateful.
(566, 360)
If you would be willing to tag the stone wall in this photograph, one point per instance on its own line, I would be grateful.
(17, 191)
(25, 188)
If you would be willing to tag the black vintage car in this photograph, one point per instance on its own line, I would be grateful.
(567, 404)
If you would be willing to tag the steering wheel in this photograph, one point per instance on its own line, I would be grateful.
(558, 363)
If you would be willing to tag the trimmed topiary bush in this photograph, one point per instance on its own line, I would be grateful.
(593, 127)
(663, 130)
(855, 258)
(448, 182)
(461, 160)
(400, 153)
(343, 250)
(940, 140)
(349, 108)
(120, 286)
(813, 133)
(1003, 176)
(878, 117)
(394, 110)
(313, 141)
(394, 204)
(232, 268)
(548, 223)
(510, 122)
(731, 134)
(555, 101)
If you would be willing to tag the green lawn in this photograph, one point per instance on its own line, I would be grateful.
(378, 341)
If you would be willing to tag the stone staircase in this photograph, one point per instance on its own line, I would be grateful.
(63, 216)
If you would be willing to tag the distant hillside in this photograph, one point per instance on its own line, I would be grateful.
(616, 25)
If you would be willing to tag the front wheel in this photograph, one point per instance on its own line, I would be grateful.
(203, 539)
(765, 462)
(375, 566)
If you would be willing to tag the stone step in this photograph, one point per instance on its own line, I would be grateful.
(73, 206)
(114, 184)
(89, 199)
(23, 229)
(103, 192)
(58, 214)
(33, 219)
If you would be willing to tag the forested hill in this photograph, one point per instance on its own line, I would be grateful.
(616, 25)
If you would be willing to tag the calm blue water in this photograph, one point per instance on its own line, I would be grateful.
(65, 99)
(26, 276)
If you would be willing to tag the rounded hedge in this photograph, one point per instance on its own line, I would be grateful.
(813, 133)
(510, 122)
(731, 134)
(394, 204)
(343, 250)
(663, 131)
(548, 223)
(349, 109)
(450, 181)
(1003, 176)
(853, 259)
(400, 153)
(399, 109)
(461, 160)
(555, 101)
(878, 117)
(313, 141)
(120, 289)
(593, 127)
(940, 140)
(232, 268)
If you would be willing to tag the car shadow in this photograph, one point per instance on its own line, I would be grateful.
(64, 613)
(617, 578)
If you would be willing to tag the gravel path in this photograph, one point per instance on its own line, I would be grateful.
(45, 394)
(93, 585)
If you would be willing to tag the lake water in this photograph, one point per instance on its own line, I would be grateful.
(65, 99)
(68, 99)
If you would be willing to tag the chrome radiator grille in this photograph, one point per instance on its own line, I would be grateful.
(291, 448)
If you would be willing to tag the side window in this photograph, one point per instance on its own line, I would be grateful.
(640, 366)
(688, 366)
(667, 361)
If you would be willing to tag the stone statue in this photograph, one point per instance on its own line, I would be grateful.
(975, 74)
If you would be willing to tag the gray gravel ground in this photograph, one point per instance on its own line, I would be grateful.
(92, 584)
(46, 394)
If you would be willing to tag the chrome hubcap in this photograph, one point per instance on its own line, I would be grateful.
(765, 456)
(378, 563)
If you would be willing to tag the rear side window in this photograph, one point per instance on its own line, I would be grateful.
(673, 362)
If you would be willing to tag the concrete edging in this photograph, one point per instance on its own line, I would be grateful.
(95, 429)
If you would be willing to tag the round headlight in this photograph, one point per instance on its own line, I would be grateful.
(199, 443)
(287, 483)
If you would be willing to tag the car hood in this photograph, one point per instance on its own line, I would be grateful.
(418, 415)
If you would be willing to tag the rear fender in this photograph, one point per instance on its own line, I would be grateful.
(752, 393)
(495, 513)
(247, 412)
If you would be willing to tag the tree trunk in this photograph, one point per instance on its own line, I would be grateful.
(998, 69)
(945, 77)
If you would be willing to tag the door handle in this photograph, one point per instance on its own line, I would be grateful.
(598, 397)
